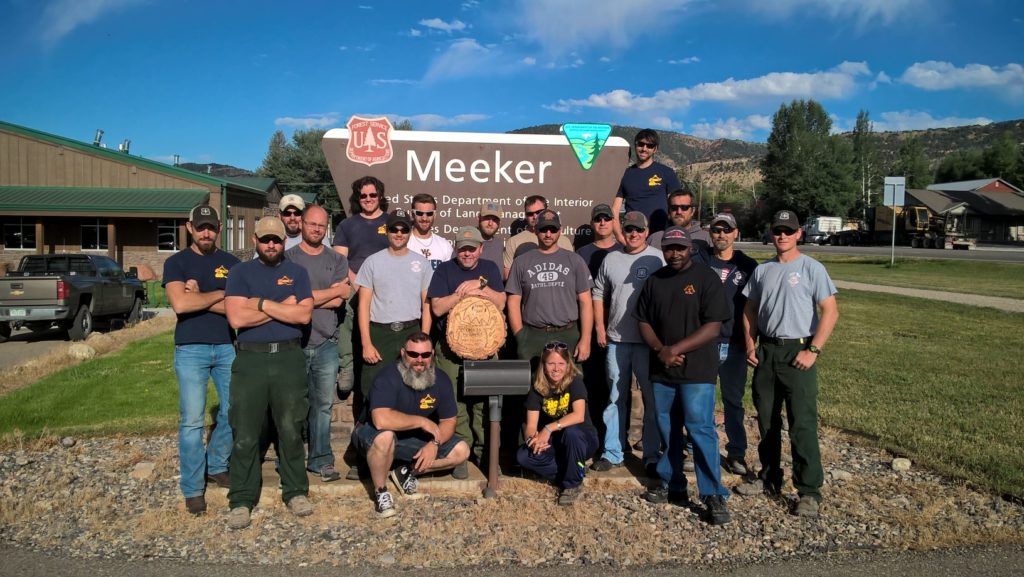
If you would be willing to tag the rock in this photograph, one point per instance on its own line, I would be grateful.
(81, 351)
(68, 442)
(22, 460)
(142, 471)
(841, 475)
(900, 464)
(388, 559)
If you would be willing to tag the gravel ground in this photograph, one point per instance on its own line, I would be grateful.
(99, 498)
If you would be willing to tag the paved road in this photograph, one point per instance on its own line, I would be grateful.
(985, 253)
(972, 562)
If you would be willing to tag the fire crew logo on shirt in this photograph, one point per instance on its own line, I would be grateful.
(557, 407)
(369, 142)
(220, 272)
(382, 230)
(285, 281)
(689, 289)
(738, 279)
(654, 181)
(793, 279)
(427, 403)
(415, 266)
(642, 273)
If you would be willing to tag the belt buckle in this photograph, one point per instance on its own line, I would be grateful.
(397, 326)
(273, 348)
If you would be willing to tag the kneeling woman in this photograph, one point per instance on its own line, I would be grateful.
(560, 436)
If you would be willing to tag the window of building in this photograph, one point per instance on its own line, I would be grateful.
(241, 233)
(230, 222)
(167, 234)
(94, 235)
(19, 234)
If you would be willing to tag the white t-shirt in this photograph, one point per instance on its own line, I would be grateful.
(435, 249)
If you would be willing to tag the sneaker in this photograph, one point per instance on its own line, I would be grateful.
(807, 506)
(735, 466)
(238, 518)
(688, 466)
(660, 495)
(405, 479)
(570, 495)
(603, 464)
(195, 505)
(328, 473)
(715, 511)
(461, 471)
(353, 473)
(757, 487)
(300, 507)
(385, 503)
(222, 479)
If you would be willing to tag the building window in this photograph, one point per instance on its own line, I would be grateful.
(230, 232)
(94, 235)
(19, 234)
(241, 233)
(167, 235)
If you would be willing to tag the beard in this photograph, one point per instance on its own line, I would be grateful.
(270, 257)
(415, 380)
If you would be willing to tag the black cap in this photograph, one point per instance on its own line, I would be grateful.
(399, 216)
(548, 218)
(675, 235)
(601, 209)
(786, 219)
(204, 214)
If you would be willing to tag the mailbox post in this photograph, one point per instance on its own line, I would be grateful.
(495, 379)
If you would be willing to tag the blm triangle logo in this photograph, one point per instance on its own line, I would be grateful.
(587, 140)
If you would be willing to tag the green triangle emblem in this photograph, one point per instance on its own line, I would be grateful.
(587, 140)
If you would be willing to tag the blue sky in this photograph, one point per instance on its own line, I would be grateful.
(212, 80)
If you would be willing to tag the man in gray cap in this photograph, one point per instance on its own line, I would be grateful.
(466, 275)
(291, 207)
(488, 223)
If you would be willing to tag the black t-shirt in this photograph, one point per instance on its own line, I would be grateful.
(675, 304)
(734, 274)
(449, 275)
(593, 255)
(275, 283)
(211, 273)
(558, 405)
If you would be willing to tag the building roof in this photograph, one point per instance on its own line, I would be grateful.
(970, 185)
(72, 200)
(307, 197)
(983, 203)
(257, 182)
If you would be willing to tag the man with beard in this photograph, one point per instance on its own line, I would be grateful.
(291, 207)
(412, 422)
(645, 184)
(488, 223)
(435, 248)
(467, 275)
(328, 276)
(681, 211)
(526, 240)
(194, 280)
(268, 300)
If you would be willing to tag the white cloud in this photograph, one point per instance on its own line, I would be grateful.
(605, 59)
(441, 25)
(62, 17)
(365, 7)
(529, 60)
(432, 121)
(414, 32)
(391, 81)
(470, 4)
(918, 120)
(664, 122)
(687, 60)
(466, 58)
(863, 12)
(838, 82)
(311, 121)
(934, 75)
(734, 128)
(881, 78)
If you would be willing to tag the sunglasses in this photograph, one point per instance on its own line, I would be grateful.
(398, 230)
(270, 239)
(423, 212)
(603, 218)
(632, 229)
(423, 355)
(680, 207)
(366, 195)
(292, 213)
(556, 346)
(721, 229)
(534, 213)
(548, 229)
(648, 145)
(783, 232)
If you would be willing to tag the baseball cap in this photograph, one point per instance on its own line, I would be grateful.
(601, 209)
(634, 218)
(399, 216)
(270, 226)
(468, 236)
(490, 209)
(675, 235)
(548, 218)
(726, 218)
(786, 219)
(292, 200)
(204, 214)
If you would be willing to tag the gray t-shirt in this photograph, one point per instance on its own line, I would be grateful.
(324, 269)
(398, 284)
(618, 284)
(494, 251)
(549, 285)
(787, 295)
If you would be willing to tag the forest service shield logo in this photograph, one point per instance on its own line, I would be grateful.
(369, 140)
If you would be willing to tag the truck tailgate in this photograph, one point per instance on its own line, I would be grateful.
(30, 298)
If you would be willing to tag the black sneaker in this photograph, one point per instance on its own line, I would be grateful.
(603, 464)
(405, 479)
(385, 502)
(659, 495)
(715, 511)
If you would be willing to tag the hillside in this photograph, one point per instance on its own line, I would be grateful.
(215, 170)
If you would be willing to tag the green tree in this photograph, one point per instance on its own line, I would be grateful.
(912, 164)
(807, 169)
(960, 165)
(1000, 159)
(300, 167)
(867, 172)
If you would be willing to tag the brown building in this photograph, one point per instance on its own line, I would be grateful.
(63, 195)
(991, 209)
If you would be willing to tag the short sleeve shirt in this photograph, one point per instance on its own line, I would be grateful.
(646, 190)
(398, 283)
(324, 270)
(618, 285)
(787, 295)
(525, 242)
(436, 402)
(436, 249)
(594, 255)
(449, 275)
(362, 236)
(211, 273)
(734, 273)
(558, 405)
(253, 278)
(549, 285)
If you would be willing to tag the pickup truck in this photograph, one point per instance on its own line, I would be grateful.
(69, 290)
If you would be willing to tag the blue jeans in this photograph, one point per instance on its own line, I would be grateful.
(321, 376)
(732, 377)
(194, 366)
(623, 361)
(692, 406)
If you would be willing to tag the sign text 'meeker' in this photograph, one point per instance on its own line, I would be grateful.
(465, 169)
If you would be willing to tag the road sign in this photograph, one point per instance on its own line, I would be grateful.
(895, 191)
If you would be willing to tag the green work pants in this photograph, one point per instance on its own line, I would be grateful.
(388, 343)
(471, 423)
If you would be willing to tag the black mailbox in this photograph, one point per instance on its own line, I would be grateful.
(485, 378)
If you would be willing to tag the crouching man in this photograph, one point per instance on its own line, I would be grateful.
(411, 429)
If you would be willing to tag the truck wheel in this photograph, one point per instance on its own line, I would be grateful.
(134, 315)
(5, 331)
(81, 327)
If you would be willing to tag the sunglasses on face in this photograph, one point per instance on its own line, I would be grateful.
(680, 207)
(269, 239)
(292, 213)
(549, 229)
(398, 230)
(556, 346)
(534, 213)
(603, 218)
(367, 195)
(721, 229)
(632, 229)
(423, 212)
(423, 355)
(783, 232)
(648, 145)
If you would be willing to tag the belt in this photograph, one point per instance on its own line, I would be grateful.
(271, 348)
(784, 342)
(553, 329)
(397, 326)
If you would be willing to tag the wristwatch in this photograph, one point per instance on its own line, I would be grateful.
(814, 349)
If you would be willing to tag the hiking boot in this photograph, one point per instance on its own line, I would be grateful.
(570, 495)
(405, 479)
(353, 473)
(688, 466)
(461, 471)
(195, 505)
(603, 464)
(223, 479)
(735, 466)
(385, 502)
(300, 506)
(660, 495)
(238, 518)
(757, 487)
(715, 511)
(328, 473)
(807, 506)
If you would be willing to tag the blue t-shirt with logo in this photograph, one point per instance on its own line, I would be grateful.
(646, 190)
(211, 273)
(274, 283)
(362, 237)
(436, 402)
(449, 275)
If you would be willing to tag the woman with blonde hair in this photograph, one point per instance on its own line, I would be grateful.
(559, 434)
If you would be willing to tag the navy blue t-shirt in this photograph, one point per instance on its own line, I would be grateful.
(274, 283)
(211, 272)
(436, 402)
(734, 274)
(362, 236)
(449, 275)
(594, 255)
(646, 190)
